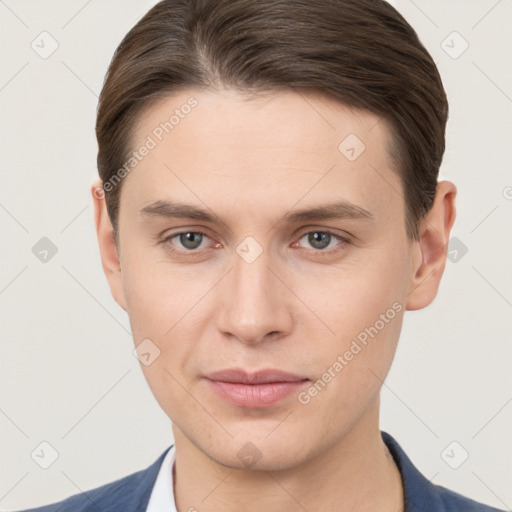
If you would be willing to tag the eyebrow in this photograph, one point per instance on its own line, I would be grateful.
(336, 210)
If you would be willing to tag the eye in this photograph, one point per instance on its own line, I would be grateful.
(323, 241)
(189, 240)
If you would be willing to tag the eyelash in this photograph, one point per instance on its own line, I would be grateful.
(322, 252)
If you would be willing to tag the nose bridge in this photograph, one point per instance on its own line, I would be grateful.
(254, 305)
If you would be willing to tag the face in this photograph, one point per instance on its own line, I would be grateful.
(263, 234)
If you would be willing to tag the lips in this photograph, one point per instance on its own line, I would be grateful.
(262, 388)
(237, 375)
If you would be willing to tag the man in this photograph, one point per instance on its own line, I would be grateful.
(267, 210)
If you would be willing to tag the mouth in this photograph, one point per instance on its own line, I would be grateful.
(259, 389)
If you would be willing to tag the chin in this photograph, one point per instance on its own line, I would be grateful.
(268, 462)
(276, 452)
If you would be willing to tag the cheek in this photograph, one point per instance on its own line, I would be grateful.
(354, 296)
(160, 307)
(351, 367)
(363, 308)
(166, 305)
(157, 296)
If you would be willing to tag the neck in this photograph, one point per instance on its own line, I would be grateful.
(356, 473)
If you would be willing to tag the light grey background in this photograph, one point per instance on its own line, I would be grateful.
(68, 375)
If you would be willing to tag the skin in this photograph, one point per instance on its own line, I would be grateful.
(250, 163)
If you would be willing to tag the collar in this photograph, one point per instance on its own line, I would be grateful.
(420, 494)
(162, 496)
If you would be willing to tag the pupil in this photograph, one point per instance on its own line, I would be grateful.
(189, 240)
(324, 239)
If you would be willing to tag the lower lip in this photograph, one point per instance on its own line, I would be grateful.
(255, 395)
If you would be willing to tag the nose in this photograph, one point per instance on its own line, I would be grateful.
(255, 303)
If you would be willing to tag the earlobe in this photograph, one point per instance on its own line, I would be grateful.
(429, 257)
(110, 260)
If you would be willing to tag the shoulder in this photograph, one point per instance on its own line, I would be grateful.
(421, 495)
(127, 494)
(454, 502)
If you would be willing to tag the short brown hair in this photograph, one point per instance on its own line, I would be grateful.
(361, 53)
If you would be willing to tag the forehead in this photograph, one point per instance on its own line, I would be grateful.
(289, 118)
(275, 149)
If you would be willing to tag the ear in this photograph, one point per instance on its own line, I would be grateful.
(108, 249)
(429, 253)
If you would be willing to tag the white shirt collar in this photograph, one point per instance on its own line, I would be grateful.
(162, 495)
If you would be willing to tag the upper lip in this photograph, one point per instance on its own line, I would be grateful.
(265, 376)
